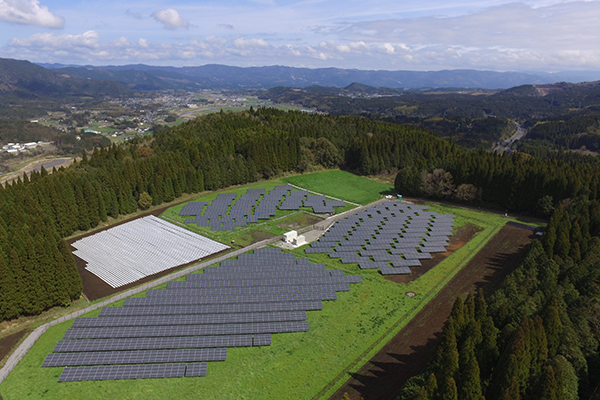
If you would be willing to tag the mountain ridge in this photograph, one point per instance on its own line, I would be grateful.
(212, 76)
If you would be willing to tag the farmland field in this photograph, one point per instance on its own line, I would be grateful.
(342, 338)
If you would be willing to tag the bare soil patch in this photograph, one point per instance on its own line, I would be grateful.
(409, 351)
(457, 240)
(300, 221)
(8, 342)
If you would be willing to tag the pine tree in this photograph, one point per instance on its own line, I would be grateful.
(450, 392)
(548, 389)
(470, 388)
(567, 381)
(552, 326)
(8, 292)
(431, 387)
(447, 359)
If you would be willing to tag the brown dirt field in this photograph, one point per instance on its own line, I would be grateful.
(300, 221)
(8, 342)
(457, 240)
(409, 351)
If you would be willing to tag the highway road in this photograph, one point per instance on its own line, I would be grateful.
(505, 147)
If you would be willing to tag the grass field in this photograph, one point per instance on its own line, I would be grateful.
(283, 222)
(342, 185)
(342, 337)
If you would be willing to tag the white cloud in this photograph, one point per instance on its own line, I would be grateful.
(249, 43)
(388, 48)
(88, 39)
(29, 12)
(170, 19)
(359, 46)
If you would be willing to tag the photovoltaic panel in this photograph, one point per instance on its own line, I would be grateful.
(133, 357)
(189, 319)
(186, 330)
(157, 343)
(211, 308)
(195, 370)
(114, 372)
(261, 340)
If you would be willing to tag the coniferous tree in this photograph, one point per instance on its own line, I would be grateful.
(470, 387)
(450, 392)
(548, 389)
(8, 305)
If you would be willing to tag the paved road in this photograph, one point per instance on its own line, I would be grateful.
(505, 147)
(182, 115)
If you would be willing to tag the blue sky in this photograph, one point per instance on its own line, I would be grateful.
(535, 35)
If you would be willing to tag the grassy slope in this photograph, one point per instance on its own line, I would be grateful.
(343, 185)
(344, 335)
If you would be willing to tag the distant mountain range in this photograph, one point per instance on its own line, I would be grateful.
(213, 76)
(25, 80)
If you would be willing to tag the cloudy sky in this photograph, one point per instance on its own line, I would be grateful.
(534, 35)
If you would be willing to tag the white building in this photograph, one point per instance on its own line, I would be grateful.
(288, 237)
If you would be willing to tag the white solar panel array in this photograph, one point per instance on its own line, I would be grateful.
(146, 246)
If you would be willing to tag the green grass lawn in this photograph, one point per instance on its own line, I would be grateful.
(342, 337)
(342, 185)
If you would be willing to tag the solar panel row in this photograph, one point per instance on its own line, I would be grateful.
(189, 319)
(186, 330)
(113, 372)
(211, 308)
(157, 343)
(133, 357)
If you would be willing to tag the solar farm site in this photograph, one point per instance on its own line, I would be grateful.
(390, 236)
(225, 213)
(140, 248)
(175, 332)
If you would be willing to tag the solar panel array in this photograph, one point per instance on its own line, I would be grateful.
(390, 236)
(173, 332)
(225, 215)
(143, 247)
